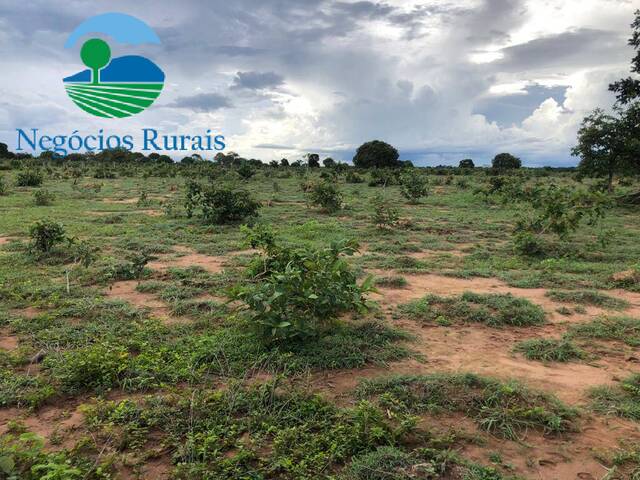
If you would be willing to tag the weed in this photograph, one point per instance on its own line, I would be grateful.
(550, 350)
(588, 297)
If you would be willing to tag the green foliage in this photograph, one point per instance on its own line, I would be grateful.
(353, 177)
(43, 197)
(588, 297)
(466, 163)
(384, 177)
(561, 210)
(219, 205)
(4, 189)
(394, 281)
(131, 269)
(326, 196)
(505, 161)
(622, 400)
(245, 171)
(97, 367)
(550, 350)
(29, 178)
(491, 309)
(45, 234)
(297, 293)
(413, 186)
(504, 409)
(622, 329)
(376, 154)
(385, 215)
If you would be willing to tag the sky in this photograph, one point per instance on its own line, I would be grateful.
(441, 80)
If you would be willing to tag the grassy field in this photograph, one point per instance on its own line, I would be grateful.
(124, 352)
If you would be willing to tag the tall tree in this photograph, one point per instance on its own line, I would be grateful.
(628, 89)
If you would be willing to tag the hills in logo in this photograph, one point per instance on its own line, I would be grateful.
(114, 87)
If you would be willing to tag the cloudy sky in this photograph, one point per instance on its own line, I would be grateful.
(439, 79)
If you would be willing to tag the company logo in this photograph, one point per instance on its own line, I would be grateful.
(114, 87)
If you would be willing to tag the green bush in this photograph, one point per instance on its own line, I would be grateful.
(43, 197)
(3, 186)
(45, 235)
(385, 215)
(29, 178)
(353, 177)
(326, 196)
(413, 186)
(219, 205)
(297, 293)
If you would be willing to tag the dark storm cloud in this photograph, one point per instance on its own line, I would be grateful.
(577, 48)
(257, 80)
(201, 102)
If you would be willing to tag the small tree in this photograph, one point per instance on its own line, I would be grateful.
(329, 162)
(384, 214)
(45, 235)
(413, 186)
(466, 163)
(284, 162)
(313, 160)
(326, 196)
(505, 161)
(376, 154)
(607, 145)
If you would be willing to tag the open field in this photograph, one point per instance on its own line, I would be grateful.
(473, 362)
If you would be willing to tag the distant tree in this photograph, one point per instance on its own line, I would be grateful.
(4, 151)
(154, 156)
(284, 162)
(313, 160)
(329, 162)
(273, 163)
(466, 163)
(376, 154)
(628, 89)
(504, 161)
(609, 144)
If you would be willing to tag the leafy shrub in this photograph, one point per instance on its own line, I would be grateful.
(413, 186)
(45, 235)
(297, 293)
(29, 178)
(3, 186)
(326, 196)
(219, 205)
(43, 197)
(131, 269)
(383, 177)
(246, 171)
(97, 367)
(528, 244)
(353, 177)
(384, 215)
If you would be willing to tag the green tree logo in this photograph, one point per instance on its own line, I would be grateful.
(112, 86)
(95, 54)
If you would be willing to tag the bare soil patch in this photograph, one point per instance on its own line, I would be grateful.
(189, 258)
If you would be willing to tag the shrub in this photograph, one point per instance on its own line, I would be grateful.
(43, 197)
(29, 178)
(246, 171)
(384, 177)
(325, 195)
(353, 177)
(45, 235)
(413, 186)
(384, 214)
(3, 186)
(220, 205)
(297, 293)
(376, 154)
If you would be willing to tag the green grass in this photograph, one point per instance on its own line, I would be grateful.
(491, 309)
(392, 281)
(588, 297)
(550, 350)
(504, 409)
(622, 400)
(621, 329)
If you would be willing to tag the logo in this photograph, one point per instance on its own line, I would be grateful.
(114, 87)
